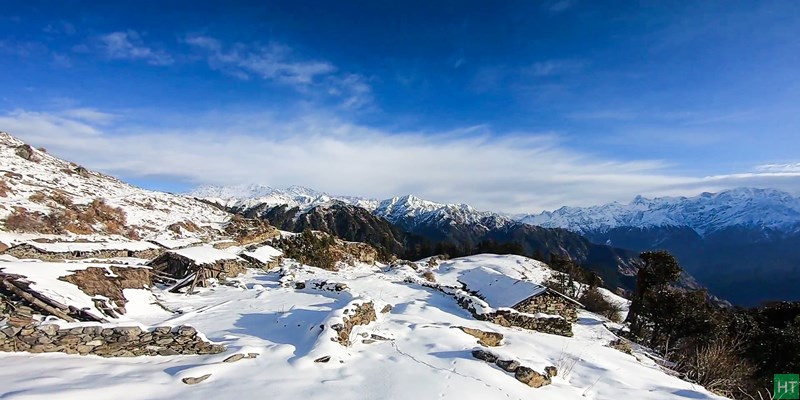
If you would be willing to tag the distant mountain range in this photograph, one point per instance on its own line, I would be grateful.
(743, 244)
(767, 210)
(414, 228)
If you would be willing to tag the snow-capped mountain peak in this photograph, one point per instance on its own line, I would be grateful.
(705, 213)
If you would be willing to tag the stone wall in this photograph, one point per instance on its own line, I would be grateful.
(549, 303)
(554, 326)
(25, 251)
(127, 341)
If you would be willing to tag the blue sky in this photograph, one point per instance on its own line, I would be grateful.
(517, 107)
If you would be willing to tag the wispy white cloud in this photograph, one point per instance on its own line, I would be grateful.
(272, 61)
(513, 173)
(279, 63)
(128, 45)
(779, 168)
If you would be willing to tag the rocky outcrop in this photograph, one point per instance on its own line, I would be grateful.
(128, 341)
(322, 250)
(246, 231)
(363, 314)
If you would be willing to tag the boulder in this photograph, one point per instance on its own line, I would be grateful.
(530, 377)
(484, 355)
(195, 380)
(489, 339)
(508, 365)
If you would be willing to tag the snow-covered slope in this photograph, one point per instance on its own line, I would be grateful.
(412, 351)
(705, 213)
(35, 181)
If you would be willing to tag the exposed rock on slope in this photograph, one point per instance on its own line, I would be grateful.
(44, 194)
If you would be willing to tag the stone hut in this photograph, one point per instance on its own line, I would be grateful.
(549, 301)
(501, 291)
(57, 251)
(196, 265)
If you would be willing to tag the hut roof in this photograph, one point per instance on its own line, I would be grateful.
(204, 254)
(264, 254)
(176, 243)
(499, 290)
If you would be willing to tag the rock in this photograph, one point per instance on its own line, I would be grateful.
(83, 349)
(508, 365)
(93, 330)
(530, 377)
(10, 331)
(167, 352)
(323, 359)
(386, 309)
(253, 355)
(300, 285)
(551, 371)
(187, 331)
(378, 337)
(164, 341)
(129, 330)
(484, 355)
(94, 343)
(76, 331)
(44, 340)
(162, 330)
(340, 287)
(194, 381)
(49, 329)
(490, 339)
(234, 358)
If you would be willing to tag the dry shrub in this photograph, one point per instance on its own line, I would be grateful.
(38, 197)
(428, 275)
(61, 198)
(4, 189)
(188, 226)
(718, 366)
(83, 219)
(24, 221)
(594, 301)
(42, 149)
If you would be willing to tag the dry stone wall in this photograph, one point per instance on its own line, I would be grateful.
(549, 303)
(25, 251)
(554, 326)
(128, 341)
